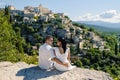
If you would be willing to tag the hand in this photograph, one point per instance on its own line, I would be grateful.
(65, 64)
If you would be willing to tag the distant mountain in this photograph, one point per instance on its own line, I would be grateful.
(102, 26)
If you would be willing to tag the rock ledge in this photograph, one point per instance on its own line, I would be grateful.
(23, 71)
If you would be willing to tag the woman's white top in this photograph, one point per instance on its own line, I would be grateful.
(62, 57)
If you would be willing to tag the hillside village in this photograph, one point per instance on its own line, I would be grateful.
(23, 31)
(43, 21)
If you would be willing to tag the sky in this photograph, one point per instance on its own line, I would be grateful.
(77, 10)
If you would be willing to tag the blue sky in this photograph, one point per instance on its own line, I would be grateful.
(106, 10)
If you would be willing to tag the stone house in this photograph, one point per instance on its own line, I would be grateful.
(60, 15)
(43, 18)
(26, 19)
(76, 39)
(16, 12)
(90, 34)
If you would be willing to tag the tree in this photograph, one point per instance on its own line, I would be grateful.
(78, 63)
(67, 17)
(17, 29)
(116, 48)
(37, 38)
(7, 35)
(7, 13)
(7, 10)
(91, 29)
(71, 31)
(30, 29)
(19, 43)
(78, 48)
(36, 17)
(72, 50)
(78, 32)
(83, 27)
(17, 17)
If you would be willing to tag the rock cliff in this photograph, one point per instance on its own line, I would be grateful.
(23, 71)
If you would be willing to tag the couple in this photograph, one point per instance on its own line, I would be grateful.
(58, 57)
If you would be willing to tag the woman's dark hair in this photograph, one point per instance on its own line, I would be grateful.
(63, 42)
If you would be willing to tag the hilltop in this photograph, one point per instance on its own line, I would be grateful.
(23, 31)
(102, 26)
(35, 23)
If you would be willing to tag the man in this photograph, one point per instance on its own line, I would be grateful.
(46, 54)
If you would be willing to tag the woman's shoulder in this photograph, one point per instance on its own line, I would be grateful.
(68, 48)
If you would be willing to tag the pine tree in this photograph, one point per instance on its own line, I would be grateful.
(7, 13)
(78, 49)
(116, 48)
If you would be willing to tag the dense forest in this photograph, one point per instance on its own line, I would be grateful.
(14, 47)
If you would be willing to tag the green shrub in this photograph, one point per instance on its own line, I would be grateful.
(78, 63)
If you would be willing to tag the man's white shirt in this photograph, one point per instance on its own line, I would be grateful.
(45, 54)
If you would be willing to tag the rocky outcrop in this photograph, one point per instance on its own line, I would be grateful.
(23, 71)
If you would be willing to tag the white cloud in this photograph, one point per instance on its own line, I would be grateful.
(108, 16)
(88, 17)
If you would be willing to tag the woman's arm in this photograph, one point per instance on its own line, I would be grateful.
(68, 56)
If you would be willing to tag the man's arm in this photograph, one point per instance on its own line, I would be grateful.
(53, 58)
(59, 62)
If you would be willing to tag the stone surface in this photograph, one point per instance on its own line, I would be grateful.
(23, 71)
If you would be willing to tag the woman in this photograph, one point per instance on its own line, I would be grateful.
(63, 54)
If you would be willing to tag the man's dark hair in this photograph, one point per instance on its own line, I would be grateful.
(48, 37)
